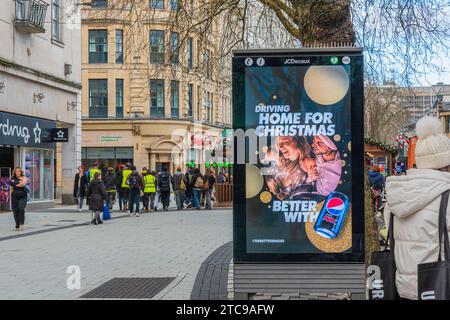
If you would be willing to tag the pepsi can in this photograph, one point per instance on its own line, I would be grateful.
(332, 216)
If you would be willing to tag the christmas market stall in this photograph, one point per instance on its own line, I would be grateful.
(381, 154)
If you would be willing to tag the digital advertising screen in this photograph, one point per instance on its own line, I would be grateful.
(299, 192)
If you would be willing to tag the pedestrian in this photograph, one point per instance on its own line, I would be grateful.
(79, 187)
(208, 188)
(110, 186)
(197, 182)
(149, 191)
(164, 188)
(143, 198)
(96, 195)
(414, 199)
(221, 178)
(19, 197)
(119, 177)
(376, 181)
(125, 188)
(179, 187)
(158, 192)
(188, 194)
(93, 171)
(135, 184)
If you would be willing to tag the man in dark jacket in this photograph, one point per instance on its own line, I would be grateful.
(376, 179)
(179, 183)
(119, 178)
(136, 183)
(164, 188)
(79, 187)
(110, 186)
(96, 195)
(188, 194)
(208, 187)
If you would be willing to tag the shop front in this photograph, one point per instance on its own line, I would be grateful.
(106, 157)
(23, 143)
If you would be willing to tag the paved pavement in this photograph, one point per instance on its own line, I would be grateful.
(163, 244)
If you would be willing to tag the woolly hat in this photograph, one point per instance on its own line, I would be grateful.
(433, 147)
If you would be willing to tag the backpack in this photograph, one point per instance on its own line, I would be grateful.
(164, 182)
(206, 184)
(182, 184)
(199, 183)
(133, 181)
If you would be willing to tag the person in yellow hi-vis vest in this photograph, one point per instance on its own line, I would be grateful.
(125, 187)
(93, 171)
(149, 190)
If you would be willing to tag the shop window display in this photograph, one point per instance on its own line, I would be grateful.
(38, 165)
(4, 192)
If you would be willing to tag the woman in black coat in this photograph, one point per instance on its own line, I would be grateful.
(19, 197)
(96, 194)
(79, 187)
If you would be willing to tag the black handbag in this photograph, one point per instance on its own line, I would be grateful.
(383, 286)
(433, 278)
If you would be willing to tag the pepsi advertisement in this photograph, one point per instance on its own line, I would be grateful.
(301, 202)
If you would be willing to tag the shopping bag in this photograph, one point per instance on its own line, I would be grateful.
(383, 285)
(433, 278)
(106, 215)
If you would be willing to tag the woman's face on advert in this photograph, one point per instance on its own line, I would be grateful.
(288, 148)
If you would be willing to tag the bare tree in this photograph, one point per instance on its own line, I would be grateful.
(384, 113)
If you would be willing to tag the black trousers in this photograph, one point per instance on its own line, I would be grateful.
(125, 197)
(165, 199)
(18, 207)
(148, 200)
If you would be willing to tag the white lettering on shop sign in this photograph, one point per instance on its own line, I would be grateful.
(14, 130)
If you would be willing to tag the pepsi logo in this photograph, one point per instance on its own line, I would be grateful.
(335, 206)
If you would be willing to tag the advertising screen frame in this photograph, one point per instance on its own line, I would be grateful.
(357, 254)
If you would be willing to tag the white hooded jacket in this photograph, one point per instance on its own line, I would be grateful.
(415, 199)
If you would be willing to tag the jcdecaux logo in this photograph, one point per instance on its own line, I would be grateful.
(296, 61)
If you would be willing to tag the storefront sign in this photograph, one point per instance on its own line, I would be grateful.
(17, 130)
(109, 138)
(302, 198)
(60, 135)
(56, 135)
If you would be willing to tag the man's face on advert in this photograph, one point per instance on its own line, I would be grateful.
(319, 148)
(288, 148)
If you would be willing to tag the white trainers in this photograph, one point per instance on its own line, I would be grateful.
(137, 214)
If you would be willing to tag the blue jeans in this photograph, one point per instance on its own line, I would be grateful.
(188, 196)
(196, 194)
(135, 195)
(179, 197)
